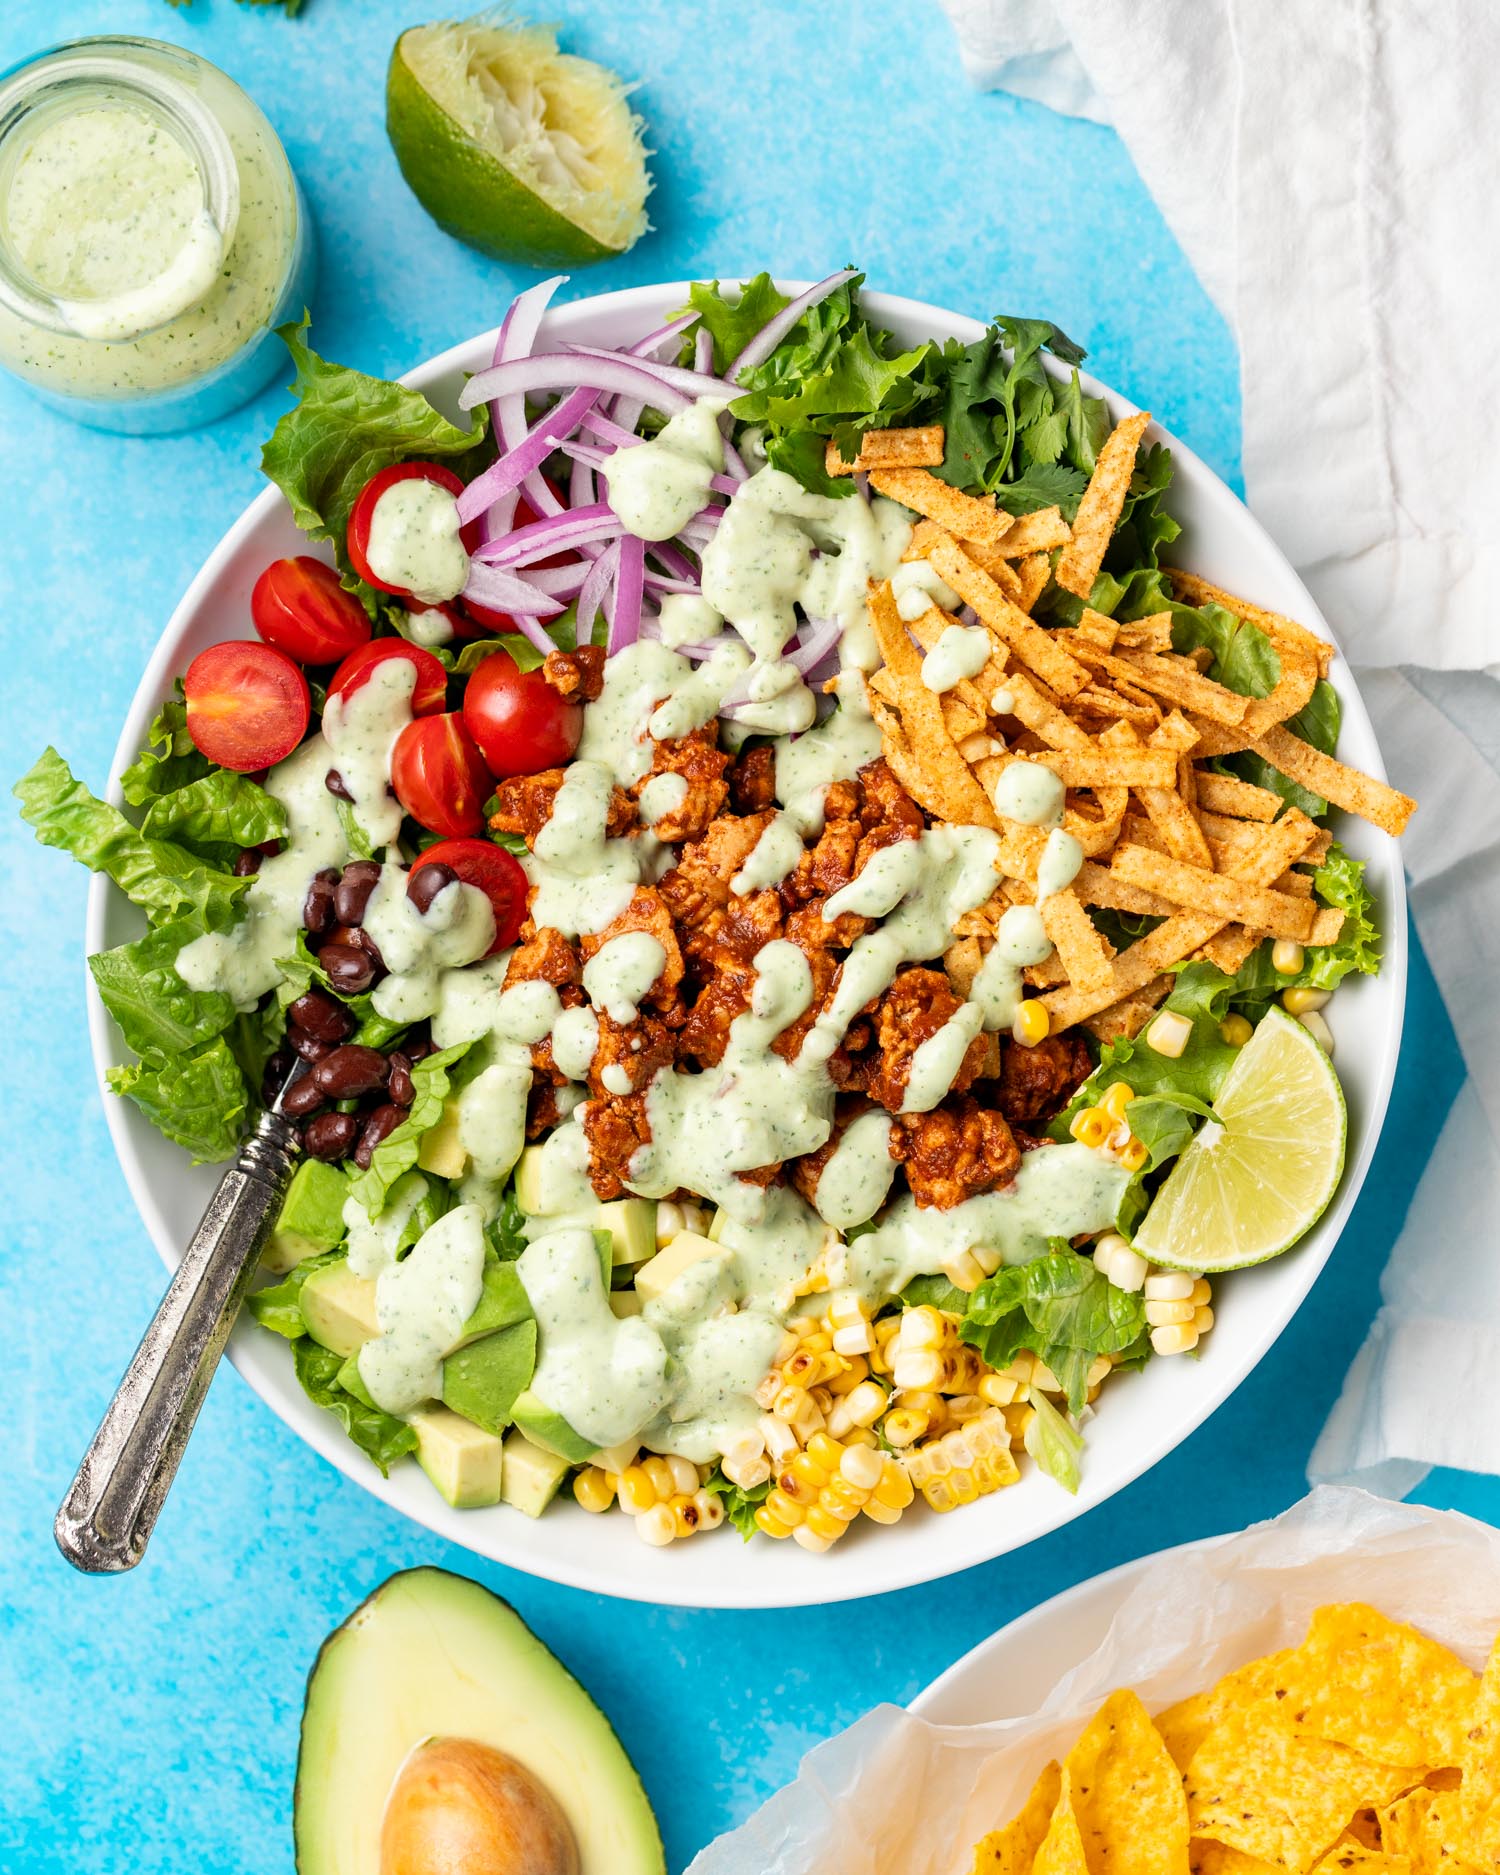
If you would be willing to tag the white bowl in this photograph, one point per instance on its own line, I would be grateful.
(1147, 1414)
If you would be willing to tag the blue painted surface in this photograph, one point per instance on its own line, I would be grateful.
(151, 1721)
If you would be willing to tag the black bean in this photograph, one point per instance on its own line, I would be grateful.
(318, 1014)
(384, 1120)
(310, 1047)
(401, 1089)
(354, 889)
(276, 1070)
(425, 882)
(305, 1098)
(248, 863)
(330, 1136)
(420, 1049)
(333, 781)
(352, 1069)
(370, 948)
(350, 969)
(317, 907)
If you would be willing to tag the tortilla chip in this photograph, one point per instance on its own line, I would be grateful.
(1351, 1854)
(918, 448)
(1037, 532)
(1032, 575)
(1229, 948)
(1179, 681)
(1131, 1014)
(1257, 906)
(1216, 1858)
(1041, 715)
(1097, 885)
(1079, 562)
(1422, 1827)
(1104, 767)
(1078, 941)
(963, 515)
(1479, 1760)
(1012, 1850)
(1152, 633)
(1060, 1851)
(1346, 787)
(1095, 629)
(1127, 1793)
(1039, 650)
(1227, 794)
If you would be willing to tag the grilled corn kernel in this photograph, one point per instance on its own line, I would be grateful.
(769, 1524)
(783, 1507)
(812, 1539)
(865, 1403)
(904, 1427)
(1091, 1126)
(880, 1513)
(963, 1270)
(1165, 1314)
(1303, 1002)
(749, 1472)
(862, 1435)
(801, 1370)
(710, 1508)
(594, 1489)
(694, 1218)
(1116, 1098)
(663, 1480)
(853, 1338)
(1169, 1286)
(780, 1440)
(844, 1308)
(920, 1370)
(657, 1526)
(1168, 1033)
(1235, 1030)
(1287, 957)
(825, 1451)
(997, 1390)
(685, 1479)
(1174, 1337)
(790, 1403)
(808, 1471)
(686, 1517)
(965, 1369)
(895, 1489)
(924, 1327)
(1134, 1155)
(823, 1523)
(1118, 1264)
(862, 1467)
(1031, 1024)
(840, 1499)
(637, 1493)
(669, 1223)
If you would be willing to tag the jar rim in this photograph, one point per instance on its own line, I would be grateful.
(84, 65)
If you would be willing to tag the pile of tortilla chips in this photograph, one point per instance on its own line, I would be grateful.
(1367, 1748)
(1127, 722)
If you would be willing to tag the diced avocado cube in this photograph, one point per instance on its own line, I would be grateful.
(353, 1381)
(626, 1302)
(550, 1178)
(716, 1226)
(654, 1279)
(502, 1302)
(311, 1219)
(632, 1224)
(465, 1463)
(549, 1429)
(530, 1476)
(441, 1151)
(338, 1308)
(484, 1380)
(616, 1457)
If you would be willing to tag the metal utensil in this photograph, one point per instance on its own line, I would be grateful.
(106, 1519)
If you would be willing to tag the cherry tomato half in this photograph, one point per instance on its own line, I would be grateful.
(247, 704)
(525, 514)
(431, 692)
(358, 539)
(299, 606)
(498, 874)
(519, 721)
(440, 777)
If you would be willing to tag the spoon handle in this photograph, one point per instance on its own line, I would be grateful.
(106, 1519)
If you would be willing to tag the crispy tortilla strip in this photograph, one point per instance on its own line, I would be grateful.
(1153, 633)
(1021, 846)
(1131, 1014)
(961, 721)
(1227, 794)
(1179, 681)
(1037, 532)
(1346, 787)
(1192, 590)
(1110, 706)
(1032, 575)
(1183, 933)
(975, 692)
(1299, 652)
(964, 515)
(1200, 890)
(1036, 648)
(1295, 884)
(919, 448)
(1229, 948)
(1111, 768)
(1327, 926)
(1079, 562)
(1081, 947)
(1095, 629)
(927, 534)
(1178, 826)
(1042, 716)
(1097, 885)
(961, 961)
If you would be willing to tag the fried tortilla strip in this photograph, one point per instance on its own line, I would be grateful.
(1190, 589)
(927, 534)
(1199, 890)
(919, 448)
(1079, 562)
(1037, 649)
(1227, 794)
(1183, 933)
(1297, 650)
(1095, 629)
(1032, 575)
(1153, 633)
(1084, 954)
(1131, 1014)
(964, 515)
(1229, 948)
(1042, 716)
(1346, 787)
(1097, 885)
(961, 960)
(1110, 706)
(1174, 821)
(1037, 532)
(975, 692)
(1179, 681)
(1111, 768)
(1176, 733)
(1295, 884)
(1327, 926)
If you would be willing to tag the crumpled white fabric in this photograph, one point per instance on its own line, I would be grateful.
(1328, 167)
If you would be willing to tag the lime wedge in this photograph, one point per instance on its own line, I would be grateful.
(1247, 1190)
(515, 147)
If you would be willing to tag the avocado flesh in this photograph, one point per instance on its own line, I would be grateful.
(463, 1461)
(532, 1476)
(484, 1380)
(338, 1308)
(441, 1151)
(548, 1429)
(430, 1655)
(311, 1219)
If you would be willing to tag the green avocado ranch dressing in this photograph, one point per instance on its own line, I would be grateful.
(151, 235)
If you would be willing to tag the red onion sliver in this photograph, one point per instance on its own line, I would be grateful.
(601, 573)
(644, 347)
(693, 383)
(677, 564)
(625, 614)
(599, 425)
(703, 351)
(818, 638)
(775, 330)
(529, 454)
(538, 539)
(570, 371)
(501, 591)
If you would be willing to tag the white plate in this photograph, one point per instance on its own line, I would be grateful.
(1148, 1414)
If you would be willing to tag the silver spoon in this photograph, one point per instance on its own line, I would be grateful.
(106, 1519)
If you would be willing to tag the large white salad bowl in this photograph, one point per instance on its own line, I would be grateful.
(1143, 1416)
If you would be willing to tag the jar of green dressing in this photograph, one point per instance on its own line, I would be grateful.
(152, 236)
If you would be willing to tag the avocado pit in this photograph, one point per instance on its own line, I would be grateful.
(459, 1807)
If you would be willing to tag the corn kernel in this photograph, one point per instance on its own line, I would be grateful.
(862, 1436)
(780, 1440)
(685, 1514)
(1319, 1030)
(865, 1403)
(939, 1495)
(1018, 1419)
(790, 1403)
(922, 1369)
(1303, 1002)
(844, 1308)
(812, 1540)
(694, 1218)
(785, 1509)
(840, 1425)
(1091, 1127)
(1031, 1024)
(1134, 1155)
(963, 1407)
(856, 1368)
(963, 1270)
(819, 1341)
(904, 1427)
(802, 1326)
(669, 1223)
(1287, 957)
(1166, 1314)
(662, 1479)
(825, 1451)
(594, 1489)
(988, 1260)
(1116, 1098)
(840, 1499)
(1203, 1319)
(685, 1479)
(966, 1367)
(1169, 1032)
(880, 1513)
(1021, 1368)
(1168, 1286)
(808, 1472)
(862, 1467)
(824, 1524)
(769, 1524)
(710, 1508)
(1120, 1266)
(1099, 1367)
(747, 1473)
(997, 1390)
(1043, 1378)
(1235, 1031)
(925, 1327)
(1174, 1337)
(1202, 1291)
(657, 1526)
(767, 1390)
(895, 1489)
(637, 1493)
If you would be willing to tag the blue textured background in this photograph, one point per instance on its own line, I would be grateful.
(151, 1722)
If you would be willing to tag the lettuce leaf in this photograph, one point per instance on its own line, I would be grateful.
(217, 811)
(279, 1306)
(526, 655)
(1316, 722)
(733, 322)
(1054, 1445)
(397, 1152)
(170, 759)
(1245, 660)
(155, 1011)
(740, 1506)
(1061, 1308)
(1339, 881)
(198, 1100)
(380, 1436)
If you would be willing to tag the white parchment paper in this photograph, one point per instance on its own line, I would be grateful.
(894, 1795)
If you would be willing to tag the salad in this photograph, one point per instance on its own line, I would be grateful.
(808, 938)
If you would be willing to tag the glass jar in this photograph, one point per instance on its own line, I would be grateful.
(152, 236)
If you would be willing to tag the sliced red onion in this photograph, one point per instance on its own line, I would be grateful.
(583, 491)
(597, 424)
(625, 611)
(827, 666)
(818, 637)
(724, 485)
(703, 351)
(506, 592)
(862, 483)
(533, 450)
(561, 581)
(775, 330)
(539, 539)
(586, 453)
(692, 383)
(659, 582)
(675, 563)
(600, 575)
(644, 347)
(570, 371)
(517, 340)
(734, 462)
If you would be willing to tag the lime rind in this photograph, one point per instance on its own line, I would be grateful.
(1245, 1192)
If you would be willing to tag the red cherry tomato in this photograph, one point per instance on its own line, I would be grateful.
(299, 606)
(431, 692)
(498, 874)
(519, 721)
(459, 625)
(358, 538)
(439, 776)
(525, 514)
(247, 704)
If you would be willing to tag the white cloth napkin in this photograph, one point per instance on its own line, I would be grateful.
(1328, 166)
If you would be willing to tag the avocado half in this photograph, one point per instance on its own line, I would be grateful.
(433, 1655)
